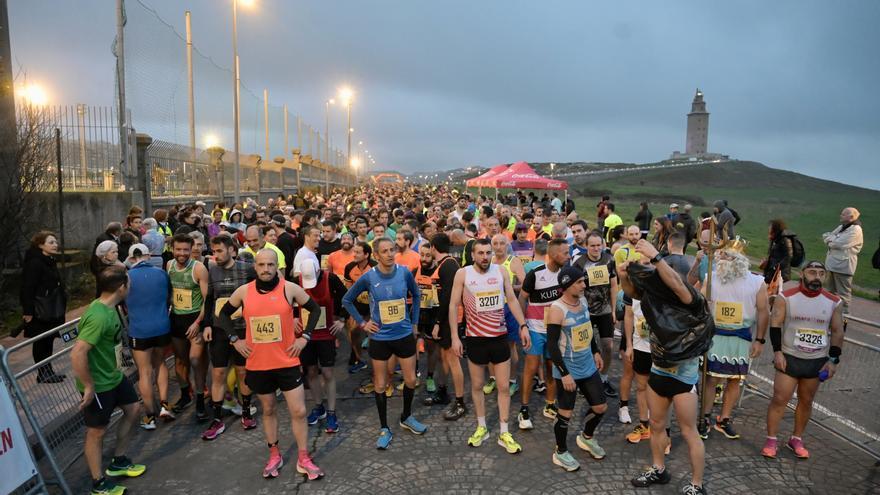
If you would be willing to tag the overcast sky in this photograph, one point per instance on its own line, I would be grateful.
(792, 84)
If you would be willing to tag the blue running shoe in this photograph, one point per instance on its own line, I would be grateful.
(332, 425)
(318, 413)
(356, 367)
(384, 440)
(413, 425)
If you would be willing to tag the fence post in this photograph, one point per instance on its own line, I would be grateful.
(144, 177)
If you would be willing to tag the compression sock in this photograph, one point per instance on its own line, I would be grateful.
(560, 430)
(382, 406)
(592, 421)
(218, 408)
(246, 405)
(408, 394)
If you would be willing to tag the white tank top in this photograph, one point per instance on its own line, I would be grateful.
(734, 305)
(806, 332)
(483, 299)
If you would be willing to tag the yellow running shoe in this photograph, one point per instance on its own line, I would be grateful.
(506, 440)
(477, 438)
(639, 433)
(122, 466)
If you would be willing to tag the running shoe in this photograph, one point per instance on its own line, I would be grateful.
(356, 367)
(273, 465)
(489, 387)
(148, 422)
(402, 384)
(306, 466)
(514, 388)
(797, 446)
(525, 422)
(770, 448)
(248, 423)
(384, 440)
(165, 413)
(725, 426)
(550, 410)
(182, 403)
(692, 489)
(366, 388)
(506, 440)
(591, 446)
(389, 391)
(703, 427)
(436, 398)
(122, 466)
(332, 424)
(477, 438)
(566, 461)
(639, 433)
(229, 404)
(237, 410)
(107, 487)
(623, 415)
(430, 386)
(217, 427)
(456, 410)
(652, 477)
(318, 413)
(413, 425)
(609, 389)
(539, 386)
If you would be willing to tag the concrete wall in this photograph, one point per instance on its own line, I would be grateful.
(86, 214)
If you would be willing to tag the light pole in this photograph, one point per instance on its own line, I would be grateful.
(236, 97)
(327, 104)
(552, 166)
(345, 95)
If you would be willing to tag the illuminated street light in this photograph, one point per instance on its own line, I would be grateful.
(211, 141)
(34, 94)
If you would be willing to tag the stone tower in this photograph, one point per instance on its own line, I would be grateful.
(698, 127)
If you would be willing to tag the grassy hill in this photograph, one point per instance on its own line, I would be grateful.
(758, 193)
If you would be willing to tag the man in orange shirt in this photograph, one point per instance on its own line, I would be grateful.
(405, 255)
(338, 259)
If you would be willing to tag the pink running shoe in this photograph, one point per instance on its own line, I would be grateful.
(797, 446)
(217, 427)
(274, 464)
(770, 448)
(248, 423)
(306, 466)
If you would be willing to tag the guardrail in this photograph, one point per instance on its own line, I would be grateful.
(845, 405)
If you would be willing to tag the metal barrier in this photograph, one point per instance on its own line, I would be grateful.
(845, 405)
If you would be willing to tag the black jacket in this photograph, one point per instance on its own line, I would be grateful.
(39, 276)
(644, 217)
(779, 254)
(684, 223)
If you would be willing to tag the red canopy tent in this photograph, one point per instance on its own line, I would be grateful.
(521, 176)
(480, 180)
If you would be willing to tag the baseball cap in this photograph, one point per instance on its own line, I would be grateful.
(200, 203)
(138, 250)
(569, 275)
(279, 220)
(674, 205)
(309, 275)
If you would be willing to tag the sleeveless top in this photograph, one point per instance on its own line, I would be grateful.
(734, 306)
(483, 299)
(186, 295)
(575, 339)
(806, 332)
(269, 328)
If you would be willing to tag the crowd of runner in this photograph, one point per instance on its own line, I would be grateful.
(527, 291)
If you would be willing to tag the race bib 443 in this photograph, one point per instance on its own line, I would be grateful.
(265, 329)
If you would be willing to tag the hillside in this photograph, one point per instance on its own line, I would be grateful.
(758, 193)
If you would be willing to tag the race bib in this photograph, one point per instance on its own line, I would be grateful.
(218, 305)
(810, 339)
(642, 328)
(598, 275)
(182, 299)
(489, 300)
(392, 311)
(322, 320)
(363, 297)
(428, 297)
(729, 313)
(265, 329)
(581, 336)
(524, 258)
(325, 262)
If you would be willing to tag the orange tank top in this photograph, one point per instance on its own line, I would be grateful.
(270, 331)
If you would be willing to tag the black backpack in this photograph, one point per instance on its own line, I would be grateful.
(798, 253)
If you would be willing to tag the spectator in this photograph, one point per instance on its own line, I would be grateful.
(643, 219)
(779, 252)
(725, 221)
(662, 230)
(673, 211)
(844, 244)
(214, 226)
(134, 224)
(126, 241)
(154, 240)
(106, 254)
(611, 220)
(685, 223)
(556, 203)
(43, 299)
(602, 210)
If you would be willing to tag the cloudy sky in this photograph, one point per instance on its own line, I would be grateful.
(447, 84)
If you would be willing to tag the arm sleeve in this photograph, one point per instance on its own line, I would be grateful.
(416, 296)
(210, 301)
(553, 331)
(447, 278)
(348, 299)
(314, 315)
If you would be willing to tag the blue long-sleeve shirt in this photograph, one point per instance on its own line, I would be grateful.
(388, 295)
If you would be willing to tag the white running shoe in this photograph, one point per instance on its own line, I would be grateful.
(623, 415)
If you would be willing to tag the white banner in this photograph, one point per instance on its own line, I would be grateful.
(16, 462)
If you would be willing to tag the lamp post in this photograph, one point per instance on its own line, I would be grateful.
(327, 104)
(236, 100)
(345, 95)
(552, 166)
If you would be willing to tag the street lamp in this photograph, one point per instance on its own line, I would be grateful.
(236, 108)
(552, 166)
(35, 95)
(327, 104)
(345, 96)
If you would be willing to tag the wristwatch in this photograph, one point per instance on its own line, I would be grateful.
(233, 339)
(835, 360)
(763, 341)
(656, 259)
(524, 325)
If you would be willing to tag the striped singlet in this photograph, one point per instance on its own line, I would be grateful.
(483, 298)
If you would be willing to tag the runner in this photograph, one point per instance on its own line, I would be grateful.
(576, 363)
(189, 283)
(628, 252)
(601, 294)
(579, 244)
(328, 243)
(539, 290)
(272, 350)
(482, 289)
(391, 332)
(740, 307)
(149, 332)
(523, 248)
(429, 330)
(363, 262)
(447, 267)
(225, 335)
(337, 260)
(405, 256)
(102, 384)
(806, 333)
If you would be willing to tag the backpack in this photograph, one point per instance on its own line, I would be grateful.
(798, 253)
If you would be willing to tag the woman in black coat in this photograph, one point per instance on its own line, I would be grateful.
(779, 252)
(41, 291)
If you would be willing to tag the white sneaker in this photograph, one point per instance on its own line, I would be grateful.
(525, 423)
(623, 415)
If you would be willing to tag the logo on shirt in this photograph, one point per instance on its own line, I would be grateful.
(492, 281)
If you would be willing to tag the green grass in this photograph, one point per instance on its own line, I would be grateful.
(758, 193)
